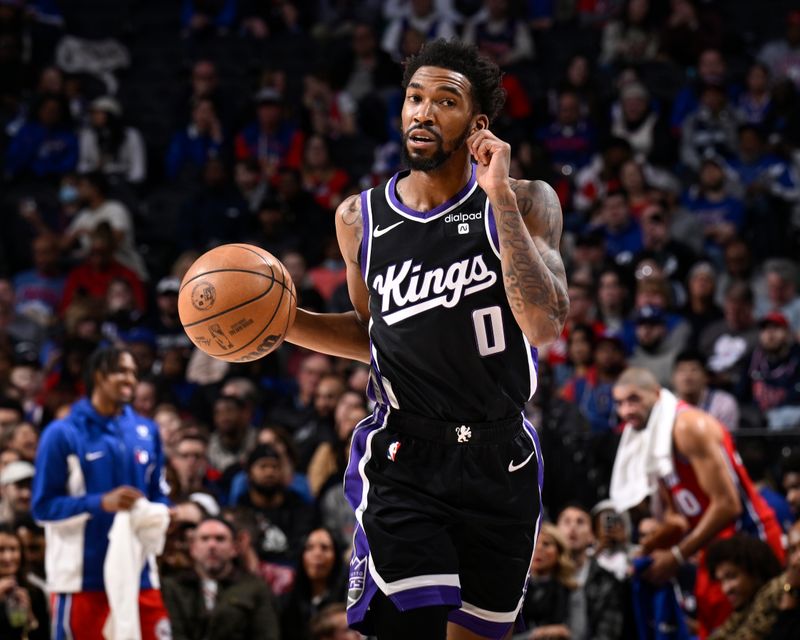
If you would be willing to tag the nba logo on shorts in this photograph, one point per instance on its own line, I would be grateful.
(393, 449)
(463, 228)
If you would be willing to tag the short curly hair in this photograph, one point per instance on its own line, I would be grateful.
(746, 552)
(483, 74)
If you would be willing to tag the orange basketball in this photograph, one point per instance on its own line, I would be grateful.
(237, 302)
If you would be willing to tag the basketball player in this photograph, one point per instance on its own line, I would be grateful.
(455, 275)
(97, 461)
(709, 494)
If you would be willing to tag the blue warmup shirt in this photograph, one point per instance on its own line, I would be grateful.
(80, 458)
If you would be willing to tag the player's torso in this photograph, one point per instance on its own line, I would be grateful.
(445, 343)
(691, 500)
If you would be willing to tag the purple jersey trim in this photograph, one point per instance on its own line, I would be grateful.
(479, 626)
(424, 215)
(535, 356)
(366, 234)
(493, 229)
(430, 596)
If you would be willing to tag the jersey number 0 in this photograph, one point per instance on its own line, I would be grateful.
(489, 330)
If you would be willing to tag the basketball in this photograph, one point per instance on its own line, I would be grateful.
(237, 302)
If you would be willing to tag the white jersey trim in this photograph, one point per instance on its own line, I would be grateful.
(398, 586)
(487, 225)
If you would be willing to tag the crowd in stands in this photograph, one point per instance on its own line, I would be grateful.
(134, 140)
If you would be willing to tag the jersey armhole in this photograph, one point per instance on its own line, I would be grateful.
(491, 228)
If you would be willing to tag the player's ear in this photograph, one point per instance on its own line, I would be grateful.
(481, 122)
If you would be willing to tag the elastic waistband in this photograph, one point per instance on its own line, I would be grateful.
(454, 432)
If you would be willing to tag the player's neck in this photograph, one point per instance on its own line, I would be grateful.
(426, 190)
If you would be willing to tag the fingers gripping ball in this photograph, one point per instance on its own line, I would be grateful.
(237, 302)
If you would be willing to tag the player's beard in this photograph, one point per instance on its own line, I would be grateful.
(439, 157)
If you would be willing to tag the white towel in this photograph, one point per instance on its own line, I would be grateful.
(644, 456)
(135, 536)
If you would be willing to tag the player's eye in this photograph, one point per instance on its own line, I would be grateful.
(414, 98)
(448, 102)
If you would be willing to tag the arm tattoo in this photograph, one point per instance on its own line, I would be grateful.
(529, 229)
(349, 213)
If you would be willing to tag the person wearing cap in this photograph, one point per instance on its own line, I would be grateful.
(99, 460)
(271, 139)
(782, 56)
(690, 381)
(164, 321)
(284, 517)
(652, 351)
(15, 491)
(633, 119)
(773, 377)
(217, 599)
(106, 144)
(612, 532)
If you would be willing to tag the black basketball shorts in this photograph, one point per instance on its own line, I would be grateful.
(447, 514)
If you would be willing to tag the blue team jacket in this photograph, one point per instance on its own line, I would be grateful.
(79, 459)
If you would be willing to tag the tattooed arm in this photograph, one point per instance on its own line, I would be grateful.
(340, 334)
(529, 223)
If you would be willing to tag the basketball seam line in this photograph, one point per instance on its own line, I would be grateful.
(205, 273)
(229, 309)
(246, 247)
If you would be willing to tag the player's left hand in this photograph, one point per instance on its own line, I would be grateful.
(494, 160)
(664, 567)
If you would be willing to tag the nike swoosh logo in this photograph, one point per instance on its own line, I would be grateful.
(516, 467)
(95, 455)
(379, 232)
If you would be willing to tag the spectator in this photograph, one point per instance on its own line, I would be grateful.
(597, 588)
(499, 35)
(252, 188)
(320, 581)
(640, 194)
(580, 355)
(189, 464)
(297, 409)
(191, 148)
(623, 234)
(165, 322)
(632, 38)
(92, 277)
(420, 17)
(569, 139)
(203, 84)
(700, 310)
(689, 27)
(774, 373)
(789, 582)
(368, 68)
(44, 147)
(232, 435)
(653, 351)
(283, 517)
(215, 213)
(217, 600)
(31, 535)
(672, 255)
(710, 130)
(739, 267)
(744, 567)
(612, 530)
(690, 383)
(595, 181)
(326, 182)
(124, 466)
(756, 459)
(93, 190)
(790, 482)
(23, 439)
(782, 56)
(272, 140)
(754, 106)
(331, 624)
(711, 69)
(272, 233)
(38, 291)
(548, 606)
(781, 292)
(23, 607)
(108, 145)
(15, 490)
(635, 120)
(200, 19)
(331, 113)
(320, 427)
(591, 390)
(611, 299)
(713, 202)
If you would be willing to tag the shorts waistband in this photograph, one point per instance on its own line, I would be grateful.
(454, 432)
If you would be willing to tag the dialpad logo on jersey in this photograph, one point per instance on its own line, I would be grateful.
(355, 585)
(465, 223)
(410, 291)
(392, 451)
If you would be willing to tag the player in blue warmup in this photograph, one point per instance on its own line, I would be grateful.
(455, 275)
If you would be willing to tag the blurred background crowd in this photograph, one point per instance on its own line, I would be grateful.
(137, 134)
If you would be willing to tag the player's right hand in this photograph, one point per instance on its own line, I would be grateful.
(120, 499)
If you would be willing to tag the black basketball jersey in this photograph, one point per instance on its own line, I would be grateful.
(445, 344)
